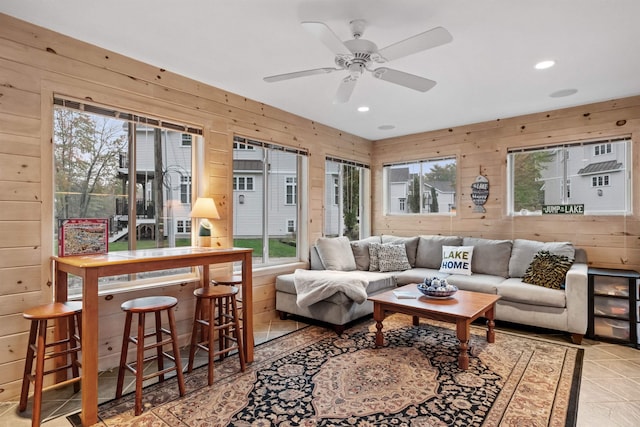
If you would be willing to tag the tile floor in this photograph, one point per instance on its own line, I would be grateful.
(609, 392)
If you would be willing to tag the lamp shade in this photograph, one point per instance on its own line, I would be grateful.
(205, 207)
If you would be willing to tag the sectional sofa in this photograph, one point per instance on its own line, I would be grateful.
(496, 267)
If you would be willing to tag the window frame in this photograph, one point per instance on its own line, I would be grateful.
(127, 115)
(449, 195)
(568, 179)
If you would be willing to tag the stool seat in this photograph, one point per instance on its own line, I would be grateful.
(149, 304)
(227, 280)
(55, 310)
(215, 291)
(141, 306)
(63, 352)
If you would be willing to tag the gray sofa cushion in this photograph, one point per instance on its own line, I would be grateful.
(377, 282)
(489, 256)
(411, 244)
(417, 275)
(524, 250)
(336, 253)
(516, 290)
(429, 253)
(476, 282)
(360, 250)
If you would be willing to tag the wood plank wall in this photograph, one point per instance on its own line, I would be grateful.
(610, 241)
(36, 63)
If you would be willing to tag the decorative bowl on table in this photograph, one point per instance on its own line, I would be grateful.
(437, 288)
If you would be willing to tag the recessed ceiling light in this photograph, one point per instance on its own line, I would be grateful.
(363, 109)
(543, 65)
(386, 127)
(563, 92)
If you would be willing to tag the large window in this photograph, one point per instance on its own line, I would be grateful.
(423, 187)
(594, 174)
(266, 206)
(345, 213)
(134, 171)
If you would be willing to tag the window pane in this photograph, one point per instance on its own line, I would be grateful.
(265, 201)
(596, 175)
(427, 186)
(92, 174)
(342, 199)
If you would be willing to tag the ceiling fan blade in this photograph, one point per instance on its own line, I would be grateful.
(287, 76)
(326, 36)
(403, 79)
(345, 90)
(423, 41)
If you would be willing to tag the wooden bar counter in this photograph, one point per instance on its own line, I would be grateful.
(91, 267)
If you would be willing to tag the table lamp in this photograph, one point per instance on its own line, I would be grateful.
(205, 209)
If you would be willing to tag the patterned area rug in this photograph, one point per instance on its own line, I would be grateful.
(315, 378)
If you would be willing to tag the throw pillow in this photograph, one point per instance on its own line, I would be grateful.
(524, 250)
(360, 250)
(374, 248)
(393, 258)
(456, 260)
(411, 245)
(335, 253)
(489, 256)
(548, 270)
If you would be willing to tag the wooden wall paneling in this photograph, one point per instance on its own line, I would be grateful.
(19, 125)
(19, 279)
(19, 145)
(19, 102)
(19, 168)
(19, 256)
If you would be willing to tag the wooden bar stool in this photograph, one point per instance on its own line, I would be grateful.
(224, 322)
(235, 280)
(67, 347)
(142, 306)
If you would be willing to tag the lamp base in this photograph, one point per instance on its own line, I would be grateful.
(204, 241)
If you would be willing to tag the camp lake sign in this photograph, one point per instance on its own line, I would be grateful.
(563, 209)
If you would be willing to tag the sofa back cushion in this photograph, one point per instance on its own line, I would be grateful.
(429, 253)
(524, 250)
(410, 243)
(336, 253)
(360, 250)
(490, 256)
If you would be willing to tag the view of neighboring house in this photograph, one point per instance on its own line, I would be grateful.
(250, 188)
(594, 175)
(176, 185)
(408, 192)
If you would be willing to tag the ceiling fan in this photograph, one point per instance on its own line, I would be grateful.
(358, 55)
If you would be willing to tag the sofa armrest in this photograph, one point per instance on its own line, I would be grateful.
(577, 296)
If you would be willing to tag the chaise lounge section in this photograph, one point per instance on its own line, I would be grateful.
(555, 297)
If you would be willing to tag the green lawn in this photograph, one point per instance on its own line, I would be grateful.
(123, 245)
(277, 249)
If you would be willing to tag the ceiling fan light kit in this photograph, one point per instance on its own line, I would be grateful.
(357, 55)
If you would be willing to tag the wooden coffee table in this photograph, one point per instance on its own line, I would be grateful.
(462, 309)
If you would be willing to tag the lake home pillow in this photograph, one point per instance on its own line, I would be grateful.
(548, 270)
(456, 260)
(393, 257)
(335, 253)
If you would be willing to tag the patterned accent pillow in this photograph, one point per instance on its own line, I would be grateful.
(393, 258)
(456, 260)
(548, 270)
(374, 248)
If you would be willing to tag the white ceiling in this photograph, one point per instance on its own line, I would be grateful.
(486, 73)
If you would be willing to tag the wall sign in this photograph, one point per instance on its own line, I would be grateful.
(480, 193)
(563, 209)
